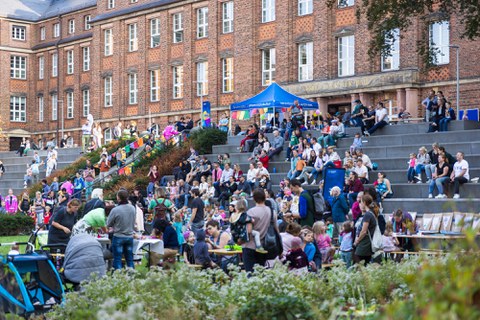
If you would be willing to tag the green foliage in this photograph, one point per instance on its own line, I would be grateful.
(15, 224)
(275, 307)
(203, 140)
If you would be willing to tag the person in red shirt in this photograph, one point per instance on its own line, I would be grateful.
(46, 217)
(264, 159)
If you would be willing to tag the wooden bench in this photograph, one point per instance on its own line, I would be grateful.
(327, 265)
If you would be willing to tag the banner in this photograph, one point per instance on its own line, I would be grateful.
(206, 121)
(333, 178)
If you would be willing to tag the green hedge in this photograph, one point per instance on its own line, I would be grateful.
(14, 225)
(203, 140)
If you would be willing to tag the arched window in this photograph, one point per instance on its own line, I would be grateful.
(107, 135)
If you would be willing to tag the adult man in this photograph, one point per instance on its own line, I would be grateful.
(277, 144)
(122, 222)
(306, 206)
(197, 220)
(359, 112)
(366, 159)
(181, 199)
(428, 104)
(261, 171)
(316, 146)
(216, 176)
(117, 131)
(243, 188)
(361, 171)
(226, 174)
(87, 132)
(381, 119)
(460, 174)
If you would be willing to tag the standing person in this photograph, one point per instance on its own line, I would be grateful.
(381, 119)
(87, 132)
(89, 177)
(2, 169)
(339, 210)
(104, 166)
(121, 222)
(306, 206)
(97, 134)
(428, 104)
(117, 131)
(364, 234)
(460, 174)
(63, 221)
(11, 203)
(39, 205)
(197, 220)
(153, 177)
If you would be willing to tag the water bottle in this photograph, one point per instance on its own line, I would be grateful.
(274, 170)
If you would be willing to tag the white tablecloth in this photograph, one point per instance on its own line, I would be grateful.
(152, 245)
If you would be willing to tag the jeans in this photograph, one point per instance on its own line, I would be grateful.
(429, 169)
(457, 182)
(444, 124)
(77, 193)
(289, 152)
(315, 173)
(439, 183)
(251, 258)
(352, 197)
(150, 188)
(296, 174)
(275, 152)
(419, 168)
(347, 258)
(122, 246)
(88, 189)
(377, 125)
(410, 174)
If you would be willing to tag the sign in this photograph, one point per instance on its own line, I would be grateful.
(333, 178)
(206, 120)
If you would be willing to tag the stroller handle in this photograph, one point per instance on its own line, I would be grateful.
(28, 244)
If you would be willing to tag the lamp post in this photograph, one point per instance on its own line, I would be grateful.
(457, 49)
(63, 120)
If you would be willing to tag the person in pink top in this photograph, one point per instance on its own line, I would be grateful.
(324, 242)
(68, 186)
(11, 203)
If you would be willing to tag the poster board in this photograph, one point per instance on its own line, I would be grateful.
(436, 223)
(426, 222)
(447, 219)
(457, 223)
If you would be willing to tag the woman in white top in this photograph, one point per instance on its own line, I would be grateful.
(252, 174)
(97, 134)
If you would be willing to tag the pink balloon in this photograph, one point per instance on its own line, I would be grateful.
(317, 112)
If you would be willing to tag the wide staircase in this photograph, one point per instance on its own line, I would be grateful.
(390, 147)
(16, 167)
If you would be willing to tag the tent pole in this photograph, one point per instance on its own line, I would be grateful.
(274, 116)
(230, 124)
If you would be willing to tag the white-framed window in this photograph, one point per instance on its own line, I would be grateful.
(110, 4)
(107, 135)
(18, 67)
(19, 32)
(108, 42)
(86, 22)
(268, 10)
(305, 7)
(392, 61)
(268, 66)
(305, 61)
(71, 26)
(440, 41)
(54, 64)
(70, 142)
(202, 78)
(43, 33)
(132, 37)
(154, 33)
(177, 27)
(108, 91)
(70, 62)
(227, 75)
(56, 30)
(132, 88)
(345, 3)
(70, 104)
(18, 109)
(227, 17)
(41, 67)
(202, 23)
(41, 107)
(54, 98)
(346, 56)
(86, 58)
(177, 82)
(85, 102)
(154, 85)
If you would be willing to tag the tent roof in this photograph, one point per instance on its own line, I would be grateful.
(273, 96)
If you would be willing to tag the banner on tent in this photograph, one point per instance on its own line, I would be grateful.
(333, 178)
(206, 120)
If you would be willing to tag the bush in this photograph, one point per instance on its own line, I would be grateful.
(16, 224)
(275, 307)
(203, 140)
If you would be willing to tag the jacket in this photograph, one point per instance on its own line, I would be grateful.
(339, 208)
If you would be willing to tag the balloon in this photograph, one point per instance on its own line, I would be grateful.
(317, 112)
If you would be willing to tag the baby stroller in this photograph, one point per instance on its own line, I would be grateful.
(29, 283)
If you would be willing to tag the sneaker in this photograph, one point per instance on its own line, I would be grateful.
(366, 133)
(456, 196)
(430, 196)
(287, 160)
(313, 183)
(261, 250)
(304, 183)
(429, 180)
(440, 196)
(419, 178)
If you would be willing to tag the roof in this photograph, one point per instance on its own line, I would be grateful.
(62, 41)
(36, 10)
(131, 9)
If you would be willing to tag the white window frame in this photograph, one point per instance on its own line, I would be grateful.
(133, 88)
(19, 32)
(392, 61)
(56, 30)
(55, 64)
(227, 75)
(43, 33)
(268, 66)
(346, 3)
(108, 91)
(202, 78)
(132, 37)
(154, 33)
(305, 7)
(18, 109)
(41, 108)
(305, 61)
(71, 26)
(86, 58)
(346, 56)
(202, 23)
(41, 67)
(177, 27)
(227, 17)
(108, 42)
(86, 22)
(54, 100)
(177, 78)
(268, 11)
(70, 62)
(439, 40)
(107, 135)
(85, 102)
(70, 104)
(110, 4)
(18, 67)
(155, 85)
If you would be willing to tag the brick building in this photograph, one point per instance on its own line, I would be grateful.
(151, 61)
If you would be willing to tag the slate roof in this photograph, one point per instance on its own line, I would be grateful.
(131, 9)
(36, 10)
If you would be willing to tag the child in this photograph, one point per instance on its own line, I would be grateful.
(172, 190)
(14, 250)
(324, 242)
(46, 217)
(357, 143)
(178, 225)
(241, 225)
(200, 251)
(390, 243)
(296, 258)
(78, 186)
(309, 247)
(54, 185)
(35, 170)
(27, 179)
(330, 226)
(188, 255)
(412, 163)
(346, 243)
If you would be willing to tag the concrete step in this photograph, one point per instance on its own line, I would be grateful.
(422, 206)
(400, 176)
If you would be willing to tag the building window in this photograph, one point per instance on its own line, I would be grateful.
(19, 33)
(69, 105)
(345, 3)
(108, 92)
(305, 7)
(42, 33)
(202, 23)
(268, 66)
(227, 75)
(227, 17)
(40, 108)
(392, 61)
(268, 10)
(70, 62)
(202, 78)
(85, 102)
(18, 111)
(18, 67)
(108, 42)
(56, 30)
(110, 4)
(178, 82)
(132, 37)
(440, 41)
(71, 26)
(154, 33)
(177, 28)
(86, 58)
(86, 22)
(54, 64)
(132, 88)
(70, 142)
(54, 107)
(41, 67)
(107, 135)
(305, 61)
(154, 85)
(346, 56)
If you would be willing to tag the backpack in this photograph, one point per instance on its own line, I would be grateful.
(319, 203)
(376, 240)
(160, 210)
(272, 242)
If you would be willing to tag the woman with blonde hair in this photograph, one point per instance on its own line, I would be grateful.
(97, 135)
(423, 159)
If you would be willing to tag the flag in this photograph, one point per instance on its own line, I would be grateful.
(247, 116)
(127, 148)
(135, 144)
(234, 115)
(241, 115)
(253, 111)
(121, 171)
(140, 142)
(128, 170)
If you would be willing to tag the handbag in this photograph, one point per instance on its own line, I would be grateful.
(272, 242)
(377, 240)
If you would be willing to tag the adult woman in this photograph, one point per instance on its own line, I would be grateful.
(133, 128)
(262, 144)
(223, 123)
(249, 140)
(310, 167)
(440, 176)
(88, 176)
(63, 222)
(229, 188)
(21, 149)
(153, 178)
(383, 187)
(363, 244)
(203, 187)
(237, 172)
(339, 210)
(97, 134)
(93, 220)
(450, 115)
(217, 239)
(24, 203)
(39, 205)
(422, 160)
(252, 174)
